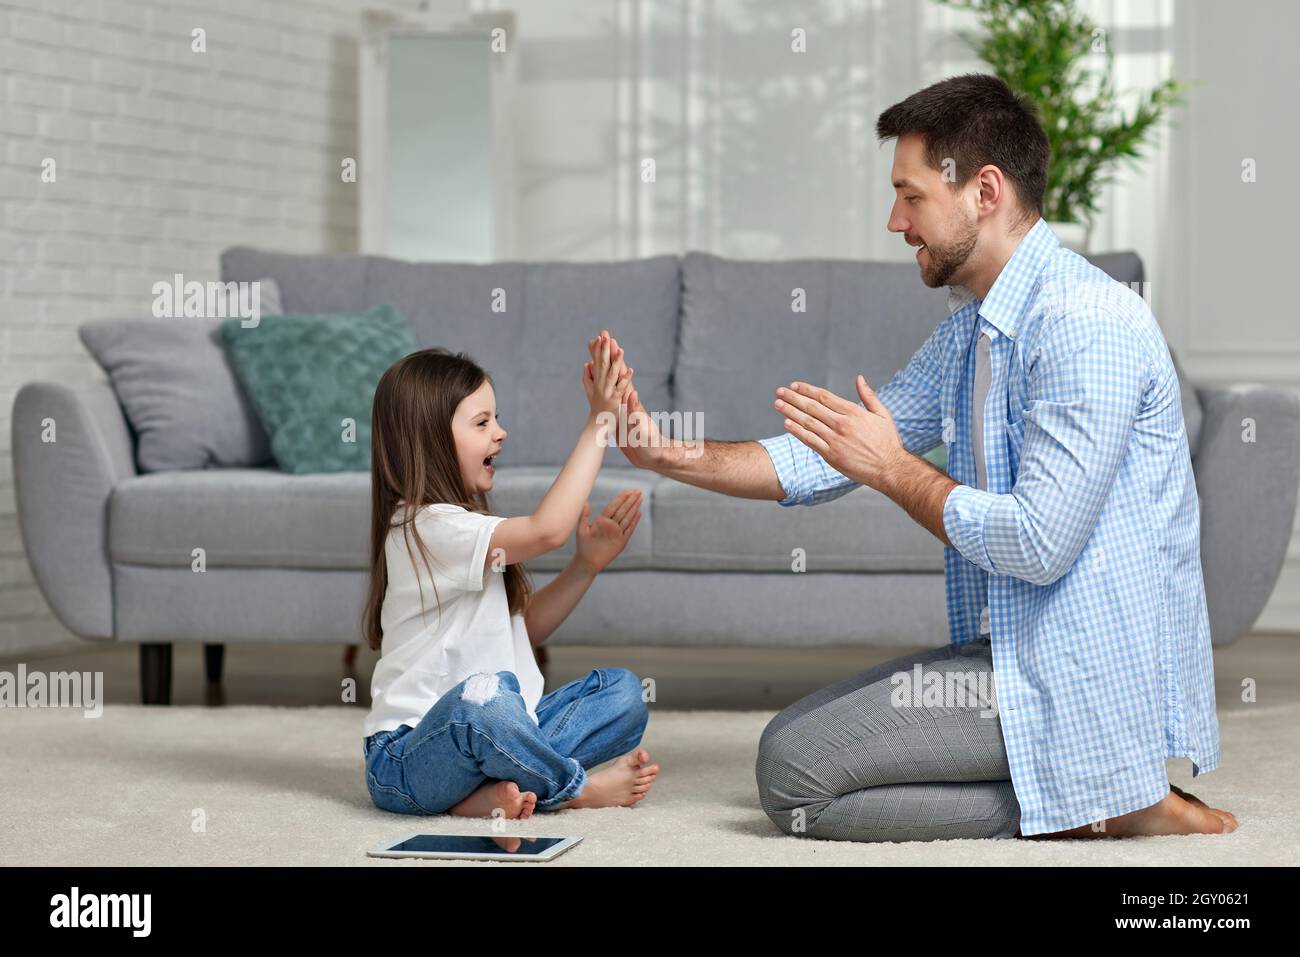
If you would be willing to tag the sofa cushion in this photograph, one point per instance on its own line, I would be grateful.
(534, 349)
(179, 392)
(861, 531)
(312, 380)
(261, 518)
(241, 517)
(308, 283)
(527, 324)
(1125, 267)
(741, 338)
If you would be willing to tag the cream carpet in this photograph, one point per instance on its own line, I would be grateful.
(262, 785)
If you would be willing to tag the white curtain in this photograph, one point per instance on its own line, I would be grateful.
(757, 150)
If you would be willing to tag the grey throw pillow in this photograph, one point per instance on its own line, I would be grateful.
(179, 391)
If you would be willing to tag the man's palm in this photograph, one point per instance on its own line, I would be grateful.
(644, 442)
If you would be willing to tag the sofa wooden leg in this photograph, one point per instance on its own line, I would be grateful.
(214, 660)
(155, 673)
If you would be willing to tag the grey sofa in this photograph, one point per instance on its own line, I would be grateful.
(111, 547)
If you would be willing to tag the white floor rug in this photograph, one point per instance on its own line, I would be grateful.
(260, 785)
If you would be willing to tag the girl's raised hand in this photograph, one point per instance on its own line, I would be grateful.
(605, 378)
(599, 543)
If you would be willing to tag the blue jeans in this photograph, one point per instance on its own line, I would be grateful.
(463, 741)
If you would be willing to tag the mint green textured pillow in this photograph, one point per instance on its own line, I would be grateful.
(312, 381)
(938, 457)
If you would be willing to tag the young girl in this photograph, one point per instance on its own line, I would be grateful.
(458, 721)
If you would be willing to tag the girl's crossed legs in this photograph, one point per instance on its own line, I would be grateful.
(477, 749)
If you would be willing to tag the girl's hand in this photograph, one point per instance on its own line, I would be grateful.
(600, 542)
(605, 378)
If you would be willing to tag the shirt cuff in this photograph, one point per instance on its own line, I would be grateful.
(782, 456)
(964, 511)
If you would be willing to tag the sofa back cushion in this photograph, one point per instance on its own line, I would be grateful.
(742, 334)
(308, 284)
(527, 324)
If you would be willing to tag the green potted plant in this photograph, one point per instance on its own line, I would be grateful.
(1060, 59)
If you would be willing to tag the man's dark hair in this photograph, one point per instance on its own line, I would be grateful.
(976, 119)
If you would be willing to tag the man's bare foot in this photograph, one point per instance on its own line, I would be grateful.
(515, 804)
(1171, 815)
(1227, 816)
(622, 784)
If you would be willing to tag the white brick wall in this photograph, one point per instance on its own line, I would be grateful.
(164, 158)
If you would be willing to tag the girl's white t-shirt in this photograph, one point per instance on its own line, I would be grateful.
(425, 655)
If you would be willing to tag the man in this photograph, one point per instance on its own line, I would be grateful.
(1069, 515)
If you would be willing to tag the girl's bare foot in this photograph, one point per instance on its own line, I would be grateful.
(1171, 815)
(516, 804)
(1226, 816)
(622, 784)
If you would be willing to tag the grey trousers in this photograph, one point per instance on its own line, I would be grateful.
(875, 758)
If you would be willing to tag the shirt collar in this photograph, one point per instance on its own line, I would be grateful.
(958, 298)
(1005, 302)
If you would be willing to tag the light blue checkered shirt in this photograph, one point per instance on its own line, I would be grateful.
(1085, 545)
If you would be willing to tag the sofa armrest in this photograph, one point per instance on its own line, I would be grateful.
(62, 489)
(1248, 500)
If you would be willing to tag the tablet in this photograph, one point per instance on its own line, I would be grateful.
(479, 847)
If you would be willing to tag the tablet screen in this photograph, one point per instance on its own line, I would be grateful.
(455, 844)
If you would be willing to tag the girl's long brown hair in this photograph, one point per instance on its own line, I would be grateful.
(413, 464)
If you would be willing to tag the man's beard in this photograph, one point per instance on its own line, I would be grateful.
(945, 260)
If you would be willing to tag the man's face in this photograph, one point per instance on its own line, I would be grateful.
(933, 216)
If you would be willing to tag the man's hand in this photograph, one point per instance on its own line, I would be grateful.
(858, 441)
(862, 443)
(646, 447)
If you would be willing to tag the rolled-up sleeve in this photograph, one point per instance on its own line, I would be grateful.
(1086, 378)
(804, 475)
(964, 512)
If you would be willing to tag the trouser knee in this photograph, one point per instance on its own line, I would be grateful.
(628, 699)
(790, 806)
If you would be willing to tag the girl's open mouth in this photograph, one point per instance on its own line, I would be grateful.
(487, 464)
